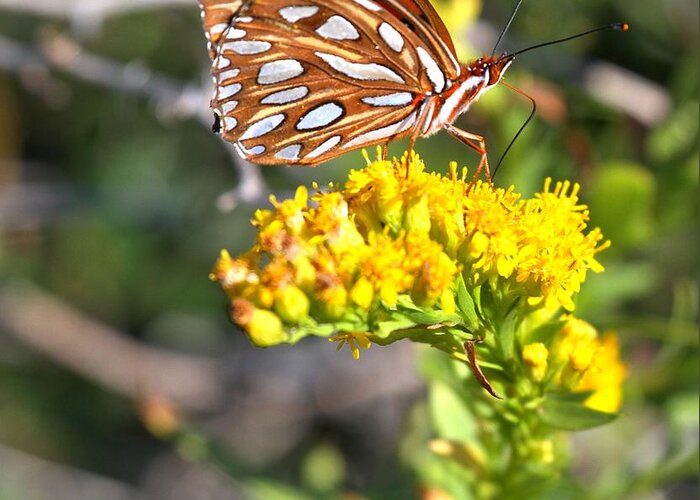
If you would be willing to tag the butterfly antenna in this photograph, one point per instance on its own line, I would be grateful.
(532, 113)
(510, 21)
(614, 26)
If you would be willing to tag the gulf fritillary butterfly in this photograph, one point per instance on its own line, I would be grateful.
(304, 81)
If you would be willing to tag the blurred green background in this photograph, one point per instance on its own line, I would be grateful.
(115, 198)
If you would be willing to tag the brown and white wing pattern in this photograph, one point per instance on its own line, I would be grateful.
(422, 18)
(302, 82)
(216, 18)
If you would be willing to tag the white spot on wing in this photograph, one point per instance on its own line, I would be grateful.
(327, 145)
(222, 62)
(360, 71)
(227, 107)
(338, 28)
(296, 13)
(289, 153)
(227, 91)
(286, 96)
(234, 34)
(369, 5)
(264, 126)
(228, 74)
(396, 99)
(244, 151)
(230, 123)
(435, 74)
(392, 37)
(243, 47)
(218, 28)
(320, 116)
(384, 132)
(279, 71)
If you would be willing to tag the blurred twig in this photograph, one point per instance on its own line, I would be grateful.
(170, 98)
(31, 477)
(104, 7)
(106, 356)
(645, 101)
(87, 16)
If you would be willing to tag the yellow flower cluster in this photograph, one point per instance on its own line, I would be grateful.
(398, 234)
(538, 243)
(579, 360)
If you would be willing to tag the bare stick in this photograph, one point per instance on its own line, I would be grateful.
(105, 355)
(171, 99)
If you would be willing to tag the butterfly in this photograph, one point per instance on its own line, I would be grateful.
(301, 82)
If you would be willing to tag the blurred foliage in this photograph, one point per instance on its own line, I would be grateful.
(110, 204)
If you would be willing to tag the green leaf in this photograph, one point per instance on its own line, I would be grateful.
(505, 335)
(466, 304)
(451, 417)
(433, 318)
(545, 332)
(571, 397)
(477, 298)
(268, 488)
(621, 199)
(572, 415)
(398, 322)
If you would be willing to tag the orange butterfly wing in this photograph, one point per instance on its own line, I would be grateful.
(302, 84)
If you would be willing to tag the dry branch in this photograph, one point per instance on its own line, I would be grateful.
(106, 356)
(170, 98)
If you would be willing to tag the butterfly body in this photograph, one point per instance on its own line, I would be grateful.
(302, 81)
(476, 78)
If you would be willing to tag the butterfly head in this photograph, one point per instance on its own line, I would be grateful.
(494, 68)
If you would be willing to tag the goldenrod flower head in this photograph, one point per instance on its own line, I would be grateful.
(535, 357)
(384, 268)
(291, 304)
(605, 376)
(590, 363)
(542, 451)
(554, 252)
(291, 212)
(234, 275)
(432, 270)
(491, 219)
(264, 328)
(397, 239)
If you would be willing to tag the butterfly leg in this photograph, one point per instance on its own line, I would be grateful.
(385, 151)
(477, 143)
(427, 112)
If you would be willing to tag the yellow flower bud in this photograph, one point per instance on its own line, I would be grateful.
(159, 415)
(535, 358)
(447, 301)
(264, 297)
(291, 304)
(478, 245)
(264, 328)
(417, 216)
(543, 451)
(362, 293)
(333, 301)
